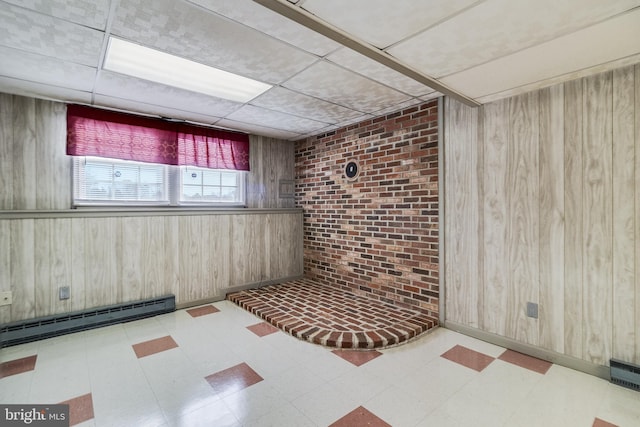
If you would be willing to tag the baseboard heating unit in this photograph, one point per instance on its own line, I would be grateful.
(60, 324)
(625, 374)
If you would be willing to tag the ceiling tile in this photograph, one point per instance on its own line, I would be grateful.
(38, 90)
(398, 107)
(608, 41)
(383, 22)
(264, 117)
(288, 101)
(185, 30)
(155, 110)
(328, 81)
(91, 13)
(133, 89)
(360, 64)
(36, 33)
(496, 28)
(258, 130)
(47, 70)
(249, 13)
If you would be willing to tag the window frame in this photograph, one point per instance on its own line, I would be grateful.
(172, 187)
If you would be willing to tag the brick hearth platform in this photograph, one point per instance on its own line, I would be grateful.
(332, 317)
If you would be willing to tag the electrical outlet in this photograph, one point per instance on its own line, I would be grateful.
(6, 298)
(532, 310)
(64, 292)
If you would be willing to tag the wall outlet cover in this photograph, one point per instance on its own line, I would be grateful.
(532, 310)
(64, 292)
(6, 298)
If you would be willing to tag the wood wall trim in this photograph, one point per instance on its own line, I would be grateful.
(110, 213)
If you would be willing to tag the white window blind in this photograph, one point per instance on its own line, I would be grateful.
(100, 181)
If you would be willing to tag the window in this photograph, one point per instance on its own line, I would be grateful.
(110, 182)
(200, 185)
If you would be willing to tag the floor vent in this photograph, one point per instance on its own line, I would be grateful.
(625, 374)
(52, 326)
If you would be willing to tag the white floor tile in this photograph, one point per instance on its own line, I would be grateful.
(303, 384)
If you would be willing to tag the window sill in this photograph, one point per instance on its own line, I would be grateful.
(99, 212)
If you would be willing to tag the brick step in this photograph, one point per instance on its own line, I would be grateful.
(332, 317)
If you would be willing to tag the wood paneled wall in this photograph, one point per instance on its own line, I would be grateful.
(543, 205)
(110, 260)
(113, 259)
(272, 163)
(35, 172)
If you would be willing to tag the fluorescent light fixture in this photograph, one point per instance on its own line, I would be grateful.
(150, 64)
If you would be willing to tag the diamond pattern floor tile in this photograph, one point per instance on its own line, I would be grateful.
(533, 364)
(18, 366)
(202, 311)
(470, 358)
(157, 345)
(233, 379)
(80, 409)
(356, 357)
(360, 417)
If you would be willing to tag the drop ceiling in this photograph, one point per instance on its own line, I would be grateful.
(359, 59)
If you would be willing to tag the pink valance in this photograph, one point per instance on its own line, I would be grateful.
(103, 133)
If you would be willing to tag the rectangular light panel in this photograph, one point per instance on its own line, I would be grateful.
(160, 67)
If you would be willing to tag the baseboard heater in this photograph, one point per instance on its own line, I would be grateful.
(60, 324)
(625, 374)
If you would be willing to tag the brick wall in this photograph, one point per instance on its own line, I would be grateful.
(376, 235)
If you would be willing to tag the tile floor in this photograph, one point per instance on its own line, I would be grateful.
(218, 365)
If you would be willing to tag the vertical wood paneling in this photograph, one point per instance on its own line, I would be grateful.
(219, 253)
(130, 285)
(61, 262)
(6, 151)
(272, 160)
(462, 206)
(53, 189)
(24, 152)
(79, 258)
(171, 271)
(101, 265)
(637, 212)
(551, 309)
(284, 257)
(22, 277)
(597, 214)
(573, 237)
(523, 216)
(190, 258)
(623, 215)
(42, 263)
(153, 262)
(495, 208)
(5, 267)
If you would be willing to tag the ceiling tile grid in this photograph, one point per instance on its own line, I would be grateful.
(496, 28)
(119, 86)
(251, 14)
(184, 30)
(331, 62)
(367, 67)
(335, 84)
(88, 13)
(288, 101)
(33, 32)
